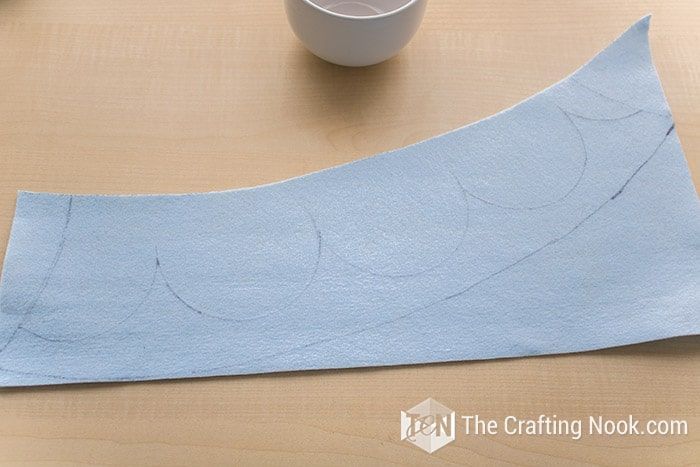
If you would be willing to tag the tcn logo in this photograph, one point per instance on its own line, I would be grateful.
(429, 425)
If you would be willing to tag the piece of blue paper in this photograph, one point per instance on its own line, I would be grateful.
(566, 223)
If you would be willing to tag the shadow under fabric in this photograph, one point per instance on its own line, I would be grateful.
(568, 222)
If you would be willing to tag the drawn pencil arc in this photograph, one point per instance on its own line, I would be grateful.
(576, 133)
(578, 82)
(273, 309)
(142, 302)
(387, 223)
(32, 303)
(430, 268)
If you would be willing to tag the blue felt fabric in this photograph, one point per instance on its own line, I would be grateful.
(566, 223)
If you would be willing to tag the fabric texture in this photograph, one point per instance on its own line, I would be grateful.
(568, 222)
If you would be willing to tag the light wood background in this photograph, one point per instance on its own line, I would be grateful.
(180, 96)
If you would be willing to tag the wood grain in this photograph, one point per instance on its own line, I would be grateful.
(145, 97)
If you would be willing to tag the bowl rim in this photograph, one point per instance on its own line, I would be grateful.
(408, 4)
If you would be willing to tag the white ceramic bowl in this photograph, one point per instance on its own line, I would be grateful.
(355, 33)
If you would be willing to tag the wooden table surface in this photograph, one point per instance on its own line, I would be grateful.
(183, 96)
